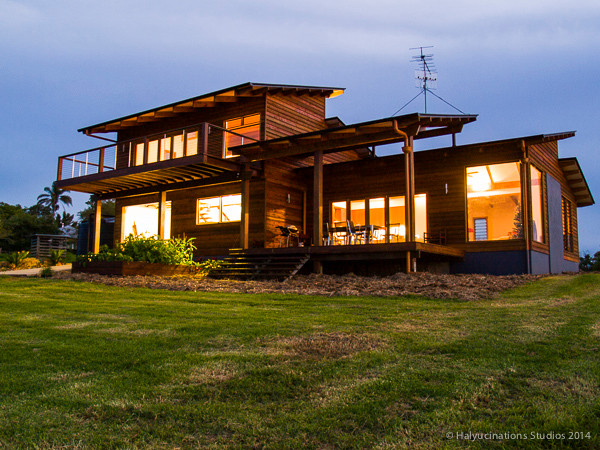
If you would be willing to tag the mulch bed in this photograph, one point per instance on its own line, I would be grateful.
(464, 287)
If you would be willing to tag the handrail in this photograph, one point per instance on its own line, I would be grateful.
(99, 166)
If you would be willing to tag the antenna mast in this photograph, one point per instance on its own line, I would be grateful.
(426, 71)
(426, 78)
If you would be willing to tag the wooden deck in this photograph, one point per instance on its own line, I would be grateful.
(366, 252)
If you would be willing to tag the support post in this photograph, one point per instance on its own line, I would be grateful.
(245, 218)
(526, 206)
(101, 161)
(318, 204)
(205, 131)
(162, 206)
(97, 224)
(409, 201)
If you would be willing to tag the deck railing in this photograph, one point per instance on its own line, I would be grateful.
(171, 144)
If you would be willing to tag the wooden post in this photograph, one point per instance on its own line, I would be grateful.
(60, 166)
(162, 207)
(318, 204)
(101, 161)
(97, 224)
(205, 141)
(245, 219)
(409, 201)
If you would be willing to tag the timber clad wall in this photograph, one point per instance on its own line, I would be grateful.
(545, 157)
(214, 115)
(378, 177)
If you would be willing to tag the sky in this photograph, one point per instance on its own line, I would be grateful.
(525, 67)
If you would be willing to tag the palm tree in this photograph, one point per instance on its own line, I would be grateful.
(52, 198)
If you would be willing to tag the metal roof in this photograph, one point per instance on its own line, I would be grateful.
(357, 135)
(576, 181)
(207, 100)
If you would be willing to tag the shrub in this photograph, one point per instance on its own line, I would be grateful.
(46, 272)
(30, 263)
(56, 257)
(16, 259)
(590, 263)
(209, 265)
(152, 250)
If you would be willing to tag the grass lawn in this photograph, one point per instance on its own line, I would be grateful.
(91, 366)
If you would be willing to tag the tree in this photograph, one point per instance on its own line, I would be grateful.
(590, 263)
(108, 209)
(52, 198)
(19, 224)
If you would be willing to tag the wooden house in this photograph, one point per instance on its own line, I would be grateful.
(259, 171)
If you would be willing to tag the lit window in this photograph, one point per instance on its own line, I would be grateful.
(247, 130)
(537, 202)
(222, 209)
(165, 148)
(338, 214)
(567, 222)
(153, 151)
(494, 195)
(142, 220)
(139, 154)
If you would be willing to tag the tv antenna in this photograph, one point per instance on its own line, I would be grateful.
(425, 78)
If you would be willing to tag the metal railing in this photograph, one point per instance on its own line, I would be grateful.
(176, 143)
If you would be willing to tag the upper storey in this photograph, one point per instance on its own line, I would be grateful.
(195, 132)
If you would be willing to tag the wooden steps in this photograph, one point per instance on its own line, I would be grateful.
(243, 265)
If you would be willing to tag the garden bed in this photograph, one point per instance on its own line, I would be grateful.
(465, 287)
(129, 268)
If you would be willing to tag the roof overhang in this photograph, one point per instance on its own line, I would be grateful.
(576, 180)
(354, 136)
(223, 96)
(168, 175)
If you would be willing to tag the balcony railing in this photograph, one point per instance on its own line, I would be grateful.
(177, 143)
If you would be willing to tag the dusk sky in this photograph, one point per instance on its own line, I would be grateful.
(525, 67)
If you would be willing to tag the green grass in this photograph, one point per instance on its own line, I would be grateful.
(91, 366)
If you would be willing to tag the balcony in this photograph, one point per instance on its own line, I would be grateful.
(173, 159)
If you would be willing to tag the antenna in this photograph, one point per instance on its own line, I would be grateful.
(425, 77)
(425, 71)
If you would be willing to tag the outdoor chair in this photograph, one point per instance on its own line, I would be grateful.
(287, 232)
(353, 233)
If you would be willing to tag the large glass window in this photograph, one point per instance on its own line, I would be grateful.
(247, 130)
(377, 219)
(338, 214)
(395, 229)
(494, 202)
(142, 220)
(537, 202)
(227, 208)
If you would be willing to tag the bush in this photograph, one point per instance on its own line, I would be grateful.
(590, 263)
(16, 259)
(56, 257)
(46, 272)
(152, 250)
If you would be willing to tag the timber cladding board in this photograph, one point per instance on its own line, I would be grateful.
(287, 115)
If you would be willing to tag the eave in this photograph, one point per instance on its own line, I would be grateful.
(212, 99)
(577, 182)
(354, 136)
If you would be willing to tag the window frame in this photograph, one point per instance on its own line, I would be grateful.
(543, 203)
(239, 130)
(220, 197)
(522, 182)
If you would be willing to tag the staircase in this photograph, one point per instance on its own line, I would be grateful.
(245, 265)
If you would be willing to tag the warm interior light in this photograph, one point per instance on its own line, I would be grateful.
(478, 179)
(142, 220)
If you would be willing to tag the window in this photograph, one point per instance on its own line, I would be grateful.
(247, 130)
(142, 220)
(227, 208)
(494, 195)
(567, 222)
(537, 202)
(377, 208)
